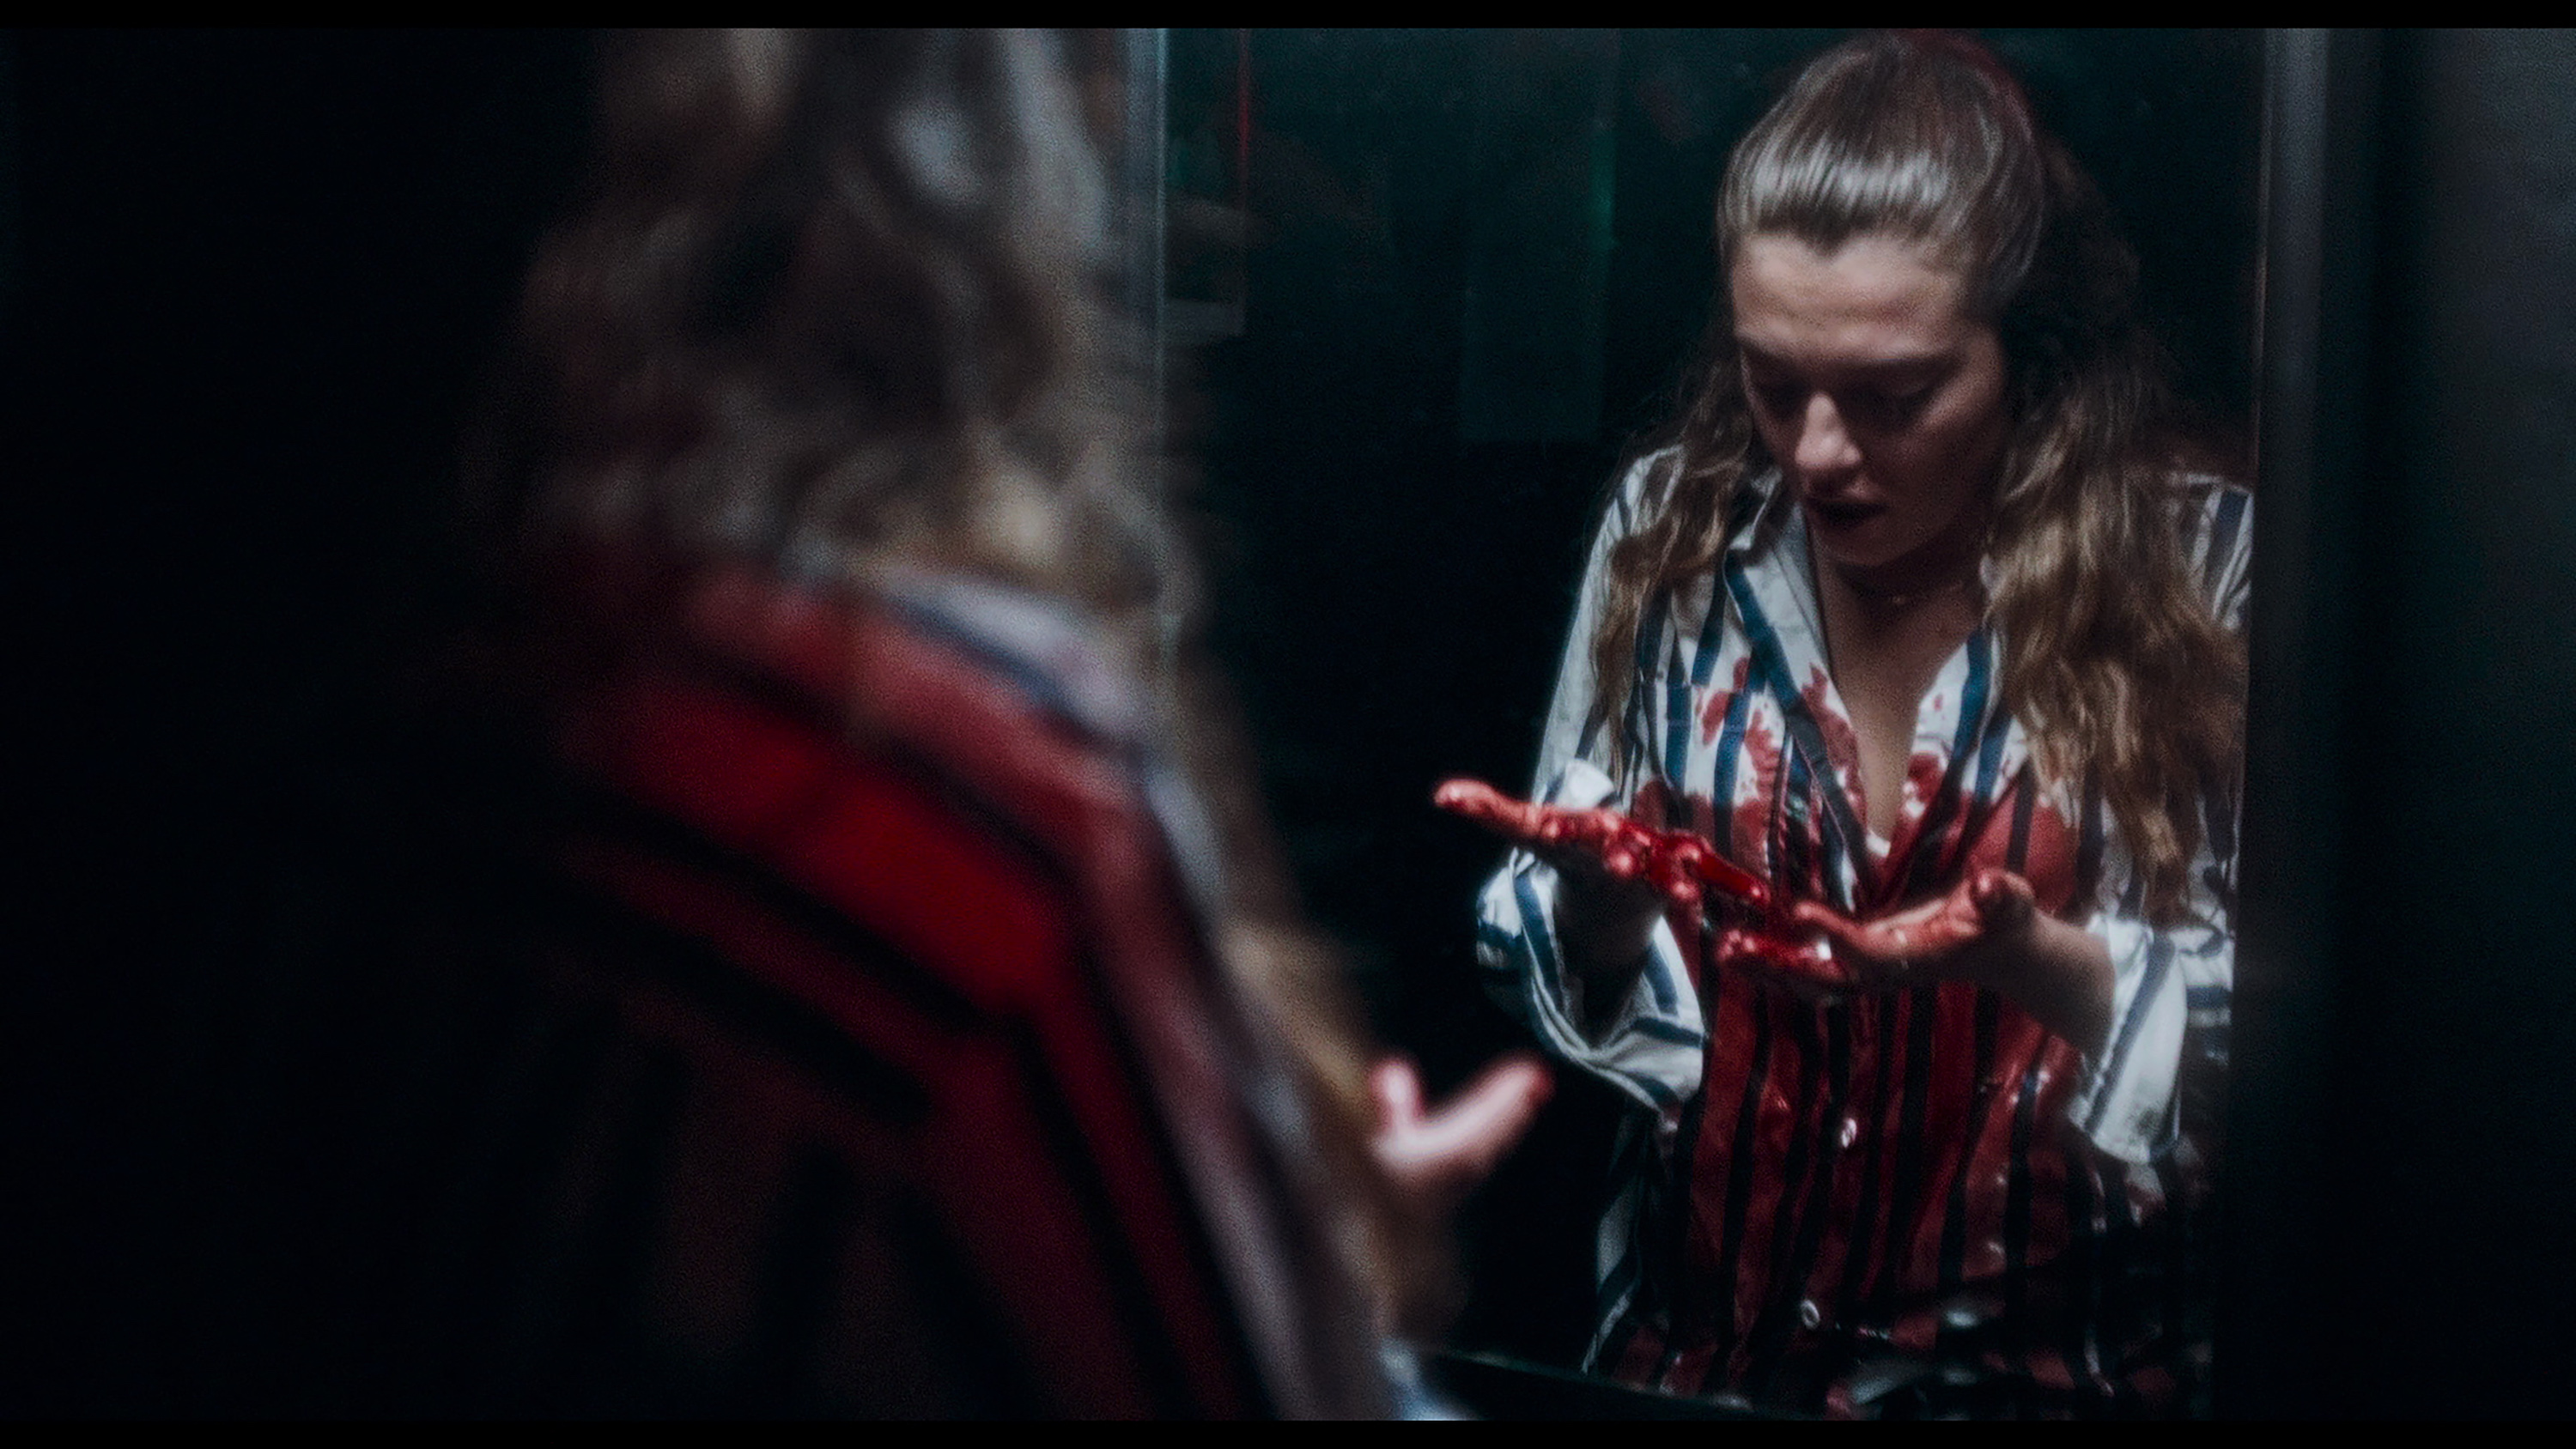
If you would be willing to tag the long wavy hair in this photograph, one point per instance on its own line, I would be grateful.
(836, 297)
(2111, 658)
(838, 302)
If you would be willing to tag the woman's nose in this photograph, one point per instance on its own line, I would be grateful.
(1824, 443)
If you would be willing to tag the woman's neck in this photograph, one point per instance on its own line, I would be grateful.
(1937, 574)
(1884, 648)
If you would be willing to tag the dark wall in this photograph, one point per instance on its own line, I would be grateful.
(2402, 1160)
(249, 280)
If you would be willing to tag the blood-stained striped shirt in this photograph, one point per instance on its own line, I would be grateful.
(1914, 1201)
(863, 1049)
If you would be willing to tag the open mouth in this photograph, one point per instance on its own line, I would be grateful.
(1844, 512)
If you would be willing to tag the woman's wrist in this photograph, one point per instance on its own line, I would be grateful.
(1606, 928)
(2059, 973)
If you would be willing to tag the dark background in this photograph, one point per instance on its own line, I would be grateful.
(247, 281)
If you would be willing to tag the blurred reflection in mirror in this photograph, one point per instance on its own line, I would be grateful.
(940, 1042)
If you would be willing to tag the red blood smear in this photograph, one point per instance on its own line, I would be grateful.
(1648, 852)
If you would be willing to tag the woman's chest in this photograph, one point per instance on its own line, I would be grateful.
(1759, 752)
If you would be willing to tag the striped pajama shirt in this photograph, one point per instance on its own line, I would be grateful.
(1911, 1201)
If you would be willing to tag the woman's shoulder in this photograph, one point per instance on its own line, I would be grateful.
(2214, 514)
(1643, 477)
(931, 663)
(2204, 488)
(1647, 479)
(1046, 650)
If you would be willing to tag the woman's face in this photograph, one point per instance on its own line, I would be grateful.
(1880, 395)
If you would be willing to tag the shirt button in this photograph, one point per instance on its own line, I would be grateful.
(1808, 1313)
(1851, 1130)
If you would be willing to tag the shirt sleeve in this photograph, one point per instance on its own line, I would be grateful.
(1649, 1044)
(2172, 983)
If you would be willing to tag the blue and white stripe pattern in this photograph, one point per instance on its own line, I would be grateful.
(1734, 728)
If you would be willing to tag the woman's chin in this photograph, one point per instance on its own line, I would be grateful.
(1891, 567)
(1857, 549)
(1879, 554)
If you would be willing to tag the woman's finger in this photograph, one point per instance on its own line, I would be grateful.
(2003, 900)
(1513, 819)
(1597, 840)
(1473, 1129)
(1845, 932)
(1437, 1157)
(1397, 1084)
(1797, 967)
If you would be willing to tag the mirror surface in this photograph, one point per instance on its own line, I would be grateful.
(1424, 290)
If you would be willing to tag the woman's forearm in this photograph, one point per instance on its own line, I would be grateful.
(1605, 928)
(2060, 974)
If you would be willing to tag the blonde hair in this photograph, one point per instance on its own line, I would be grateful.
(2111, 658)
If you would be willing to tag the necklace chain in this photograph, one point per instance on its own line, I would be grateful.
(1912, 596)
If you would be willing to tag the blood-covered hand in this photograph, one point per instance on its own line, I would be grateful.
(1977, 931)
(1602, 843)
(1987, 929)
(1792, 955)
(1615, 868)
(1618, 874)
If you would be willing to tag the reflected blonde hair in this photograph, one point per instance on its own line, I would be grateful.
(2111, 658)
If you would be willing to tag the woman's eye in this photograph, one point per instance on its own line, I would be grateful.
(1889, 408)
(1778, 399)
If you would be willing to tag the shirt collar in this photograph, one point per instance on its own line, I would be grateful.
(1772, 507)
(1775, 536)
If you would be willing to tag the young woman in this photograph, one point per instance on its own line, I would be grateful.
(1916, 618)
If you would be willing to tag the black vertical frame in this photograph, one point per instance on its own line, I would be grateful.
(2402, 1156)
(2319, 182)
